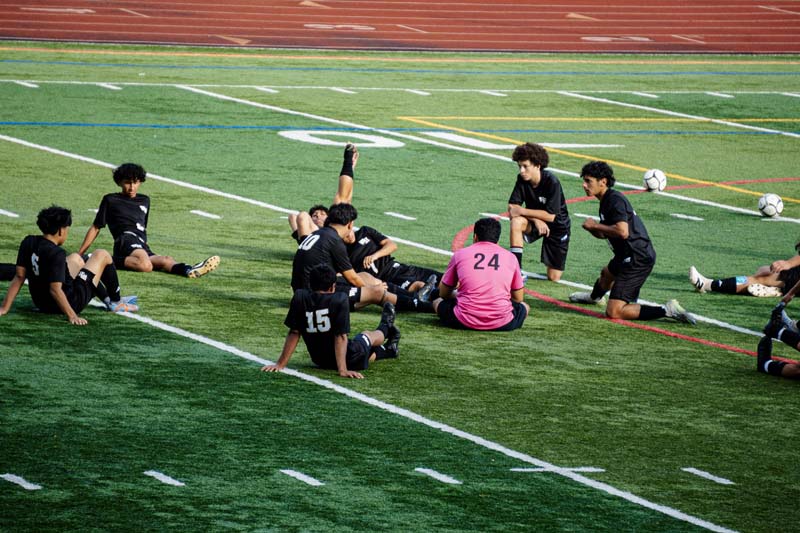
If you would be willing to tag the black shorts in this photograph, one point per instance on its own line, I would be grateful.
(353, 292)
(554, 249)
(629, 277)
(789, 278)
(404, 275)
(79, 293)
(359, 349)
(125, 245)
(447, 316)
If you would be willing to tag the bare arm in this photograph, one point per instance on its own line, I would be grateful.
(340, 347)
(57, 292)
(516, 210)
(602, 231)
(518, 295)
(781, 265)
(289, 346)
(445, 291)
(388, 247)
(352, 278)
(91, 235)
(13, 290)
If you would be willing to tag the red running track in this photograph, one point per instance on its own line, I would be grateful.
(661, 26)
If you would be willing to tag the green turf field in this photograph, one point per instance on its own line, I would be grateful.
(250, 135)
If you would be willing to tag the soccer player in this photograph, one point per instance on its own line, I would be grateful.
(371, 251)
(768, 280)
(126, 214)
(634, 255)
(482, 288)
(326, 246)
(304, 223)
(784, 329)
(59, 283)
(545, 213)
(321, 316)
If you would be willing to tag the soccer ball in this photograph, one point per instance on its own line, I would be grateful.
(655, 180)
(770, 205)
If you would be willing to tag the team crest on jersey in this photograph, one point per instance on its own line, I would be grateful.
(82, 275)
(364, 241)
(143, 208)
(543, 199)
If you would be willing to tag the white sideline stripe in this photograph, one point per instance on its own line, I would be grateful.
(266, 90)
(676, 114)
(462, 139)
(646, 95)
(589, 469)
(405, 413)
(340, 90)
(304, 478)
(204, 214)
(438, 476)
(712, 477)
(493, 93)
(793, 95)
(8, 213)
(396, 239)
(27, 84)
(578, 145)
(493, 215)
(27, 485)
(417, 91)
(109, 86)
(398, 215)
(686, 217)
(720, 95)
(581, 215)
(163, 478)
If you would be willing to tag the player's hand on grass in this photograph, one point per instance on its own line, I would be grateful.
(271, 368)
(78, 321)
(351, 374)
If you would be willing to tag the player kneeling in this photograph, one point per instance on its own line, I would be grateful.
(321, 316)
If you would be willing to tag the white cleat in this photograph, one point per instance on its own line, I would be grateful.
(764, 291)
(585, 298)
(700, 282)
(676, 311)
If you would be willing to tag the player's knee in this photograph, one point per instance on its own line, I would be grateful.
(141, 265)
(518, 224)
(103, 255)
(554, 275)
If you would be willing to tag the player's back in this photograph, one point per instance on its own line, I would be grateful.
(45, 263)
(319, 317)
(323, 246)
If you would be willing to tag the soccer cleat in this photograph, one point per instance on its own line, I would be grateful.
(122, 307)
(788, 323)
(524, 278)
(775, 323)
(132, 300)
(700, 282)
(764, 352)
(204, 267)
(676, 311)
(764, 291)
(387, 316)
(393, 342)
(424, 294)
(585, 298)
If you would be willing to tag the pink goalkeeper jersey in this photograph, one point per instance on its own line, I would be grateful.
(485, 274)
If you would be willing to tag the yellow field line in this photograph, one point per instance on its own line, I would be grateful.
(391, 59)
(616, 119)
(619, 164)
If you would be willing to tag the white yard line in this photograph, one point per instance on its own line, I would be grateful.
(17, 480)
(304, 478)
(163, 478)
(686, 217)
(706, 475)
(27, 84)
(5, 213)
(109, 86)
(438, 476)
(398, 215)
(204, 214)
(591, 469)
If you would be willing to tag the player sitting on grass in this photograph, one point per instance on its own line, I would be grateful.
(488, 283)
(545, 213)
(321, 316)
(59, 283)
(126, 214)
(634, 255)
(769, 280)
(784, 329)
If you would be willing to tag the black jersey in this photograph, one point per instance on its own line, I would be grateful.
(614, 207)
(123, 213)
(547, 196)
(44, 263)
(324, 246)
(319, 317)
(368, 241)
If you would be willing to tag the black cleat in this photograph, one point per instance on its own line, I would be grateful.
(387, 316)
(424, 294)
(764, 351)
(392, 344)
(775, 323)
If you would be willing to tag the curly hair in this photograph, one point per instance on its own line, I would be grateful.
(535, 153)
(599, 170)
(341, 214)
(129, 172)
(53, 218)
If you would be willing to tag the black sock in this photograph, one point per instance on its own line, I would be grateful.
(180, 269)
(651, 312)
(775, 368)
(726, 285)
(347, 164)
(7, 271)
(382, 353)
(405, 302)
(383, 328)
(517, 253)
(790, 338)
(110, 281)
(597, 291)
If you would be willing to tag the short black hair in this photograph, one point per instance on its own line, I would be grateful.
(341, 214)
(53, 218)
(319, 207)
(599, 170)
(535, 153)
(129, 171)
(321, 277)
(488, 229)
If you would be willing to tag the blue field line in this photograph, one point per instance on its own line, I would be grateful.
(400, 70)
(323, 128)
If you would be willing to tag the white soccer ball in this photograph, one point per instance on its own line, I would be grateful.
(770, 205)
(655, 180)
